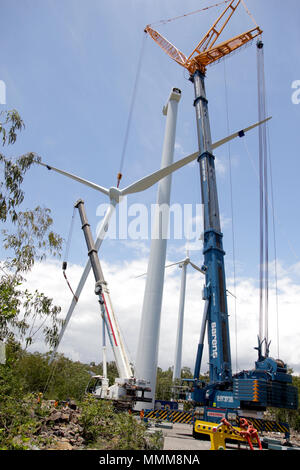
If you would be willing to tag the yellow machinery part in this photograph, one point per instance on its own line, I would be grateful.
(218, 433)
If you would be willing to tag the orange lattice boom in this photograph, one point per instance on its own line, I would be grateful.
(207, 52)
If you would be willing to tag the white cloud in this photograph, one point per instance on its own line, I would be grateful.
(220, 167)
(82, 339)
(179, 149)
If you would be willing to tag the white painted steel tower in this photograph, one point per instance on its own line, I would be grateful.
(178, 346)
(147, 352)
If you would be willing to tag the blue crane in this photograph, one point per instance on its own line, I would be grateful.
(268, 384)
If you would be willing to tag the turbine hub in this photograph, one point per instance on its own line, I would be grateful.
(115, 194)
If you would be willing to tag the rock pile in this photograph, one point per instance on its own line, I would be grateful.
(61, 430)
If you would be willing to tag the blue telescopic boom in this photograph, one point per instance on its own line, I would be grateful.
(215, 284)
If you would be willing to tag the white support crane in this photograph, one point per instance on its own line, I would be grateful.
(124, 390)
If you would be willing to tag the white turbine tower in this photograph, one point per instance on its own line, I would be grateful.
(148, 344)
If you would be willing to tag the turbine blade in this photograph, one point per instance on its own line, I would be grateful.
(174, 264)
(167, 266)
(77, 178)
(197, 267)
(140, 275)
(153, 178)
(98, 242)
(240, 133)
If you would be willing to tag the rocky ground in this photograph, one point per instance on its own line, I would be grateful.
(294, 437)
(60, 429)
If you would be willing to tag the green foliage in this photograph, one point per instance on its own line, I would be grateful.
(96, 416)
(31, 240)
(166, 389)
(28, 237)
(164, 383)
(68, 379)
(129, 432)
(186, 373)
(61, 380)
(19, 411)
(11, 195)
(15, 124)
(105, 429)
(26, 375)
(156, 440)
(19, 420)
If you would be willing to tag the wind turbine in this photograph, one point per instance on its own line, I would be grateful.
(115, 195)
(183, 264)
(178, 347)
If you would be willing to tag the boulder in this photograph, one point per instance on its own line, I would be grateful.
(61, 445)
(54, 416)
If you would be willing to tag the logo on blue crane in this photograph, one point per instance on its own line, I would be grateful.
(214, 340)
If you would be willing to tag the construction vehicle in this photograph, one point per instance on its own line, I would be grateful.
(126, 390)
(249, 392)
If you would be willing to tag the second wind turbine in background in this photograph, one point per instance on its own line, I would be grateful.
(180, 321)
(179, 338)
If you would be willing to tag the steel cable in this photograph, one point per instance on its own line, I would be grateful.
(133, 98)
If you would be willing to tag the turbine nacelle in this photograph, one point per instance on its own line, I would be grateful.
(115, 194)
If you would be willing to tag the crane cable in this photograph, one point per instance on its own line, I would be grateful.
(263, 203)
(249, 13)
(65, 262)
(275, 247)
(133, 98)
(274, 219)
(203, 9)
(188, 14)
(266, 154)
(232, 220)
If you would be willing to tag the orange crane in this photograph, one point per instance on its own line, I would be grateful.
(207, 52)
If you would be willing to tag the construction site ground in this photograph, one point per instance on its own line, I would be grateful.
(179, 437)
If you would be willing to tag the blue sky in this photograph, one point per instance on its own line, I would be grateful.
(69, 67)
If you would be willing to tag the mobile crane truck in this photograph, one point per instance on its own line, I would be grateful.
(124, 392)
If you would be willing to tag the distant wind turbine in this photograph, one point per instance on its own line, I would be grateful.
(179, 338)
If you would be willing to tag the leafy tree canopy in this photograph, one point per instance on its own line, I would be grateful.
(27, 237)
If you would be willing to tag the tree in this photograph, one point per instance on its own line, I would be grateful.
(27, 238)
(164, 382)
